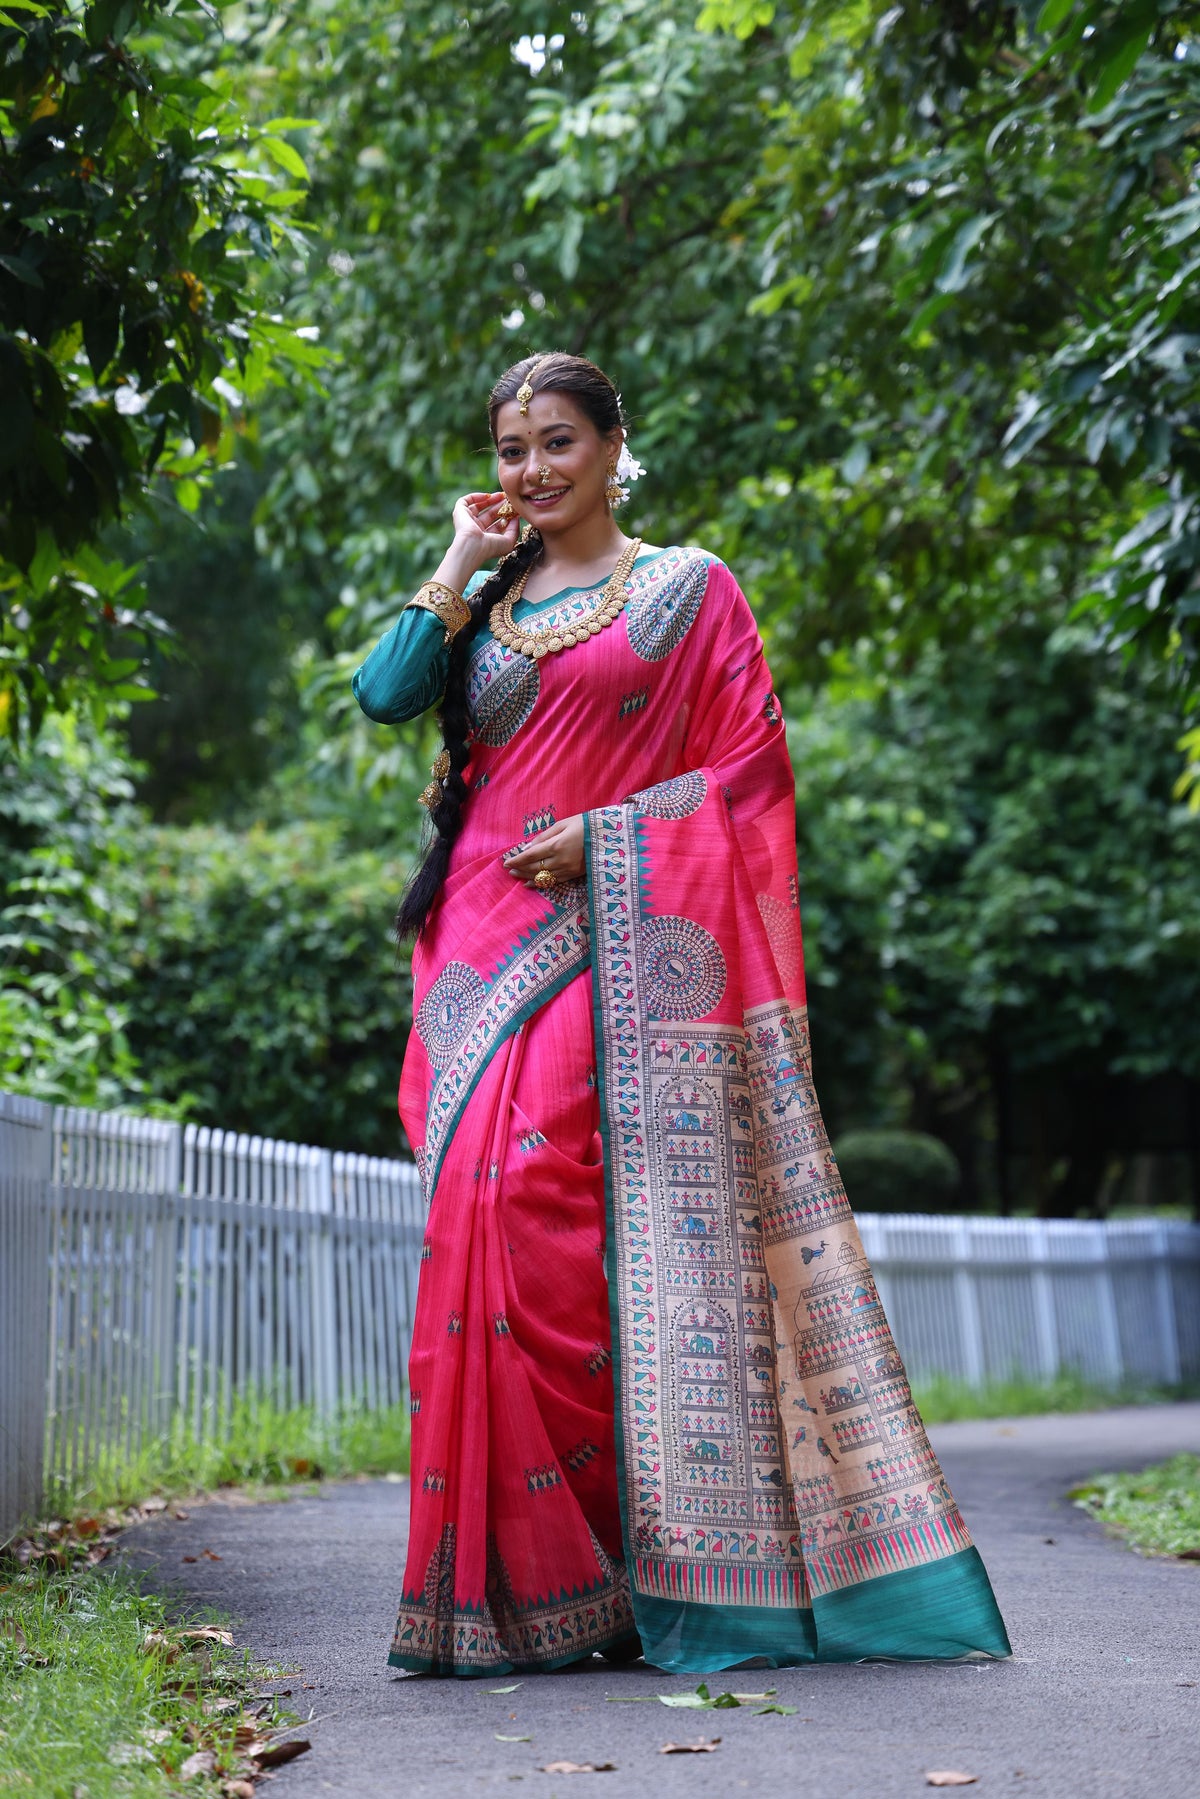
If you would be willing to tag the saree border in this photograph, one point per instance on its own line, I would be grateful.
(538, 966)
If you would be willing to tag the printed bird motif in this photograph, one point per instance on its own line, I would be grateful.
(812, 1255)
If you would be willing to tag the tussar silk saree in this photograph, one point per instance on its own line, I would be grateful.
(653, 1388)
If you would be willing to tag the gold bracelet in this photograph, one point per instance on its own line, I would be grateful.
(453, 610)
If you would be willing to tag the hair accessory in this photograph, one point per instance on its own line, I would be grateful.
(536, 642)
(434, 794)
(525, 391)
(450, 607)
(624, 468)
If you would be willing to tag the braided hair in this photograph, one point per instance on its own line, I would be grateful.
(594, 393)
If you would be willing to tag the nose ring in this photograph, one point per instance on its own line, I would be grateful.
(544, 475)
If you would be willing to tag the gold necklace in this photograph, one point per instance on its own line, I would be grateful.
(545, 640)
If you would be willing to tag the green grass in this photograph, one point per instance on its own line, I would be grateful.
(256, 1445)
(90, 1709)
(1158, 1509)
(942, 1400)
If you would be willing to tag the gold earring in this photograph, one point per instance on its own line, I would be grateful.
(614, 493)
(504, 512)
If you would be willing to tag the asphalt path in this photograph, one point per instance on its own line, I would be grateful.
(1100, 1701)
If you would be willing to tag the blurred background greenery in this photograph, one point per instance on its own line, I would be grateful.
(902, 300)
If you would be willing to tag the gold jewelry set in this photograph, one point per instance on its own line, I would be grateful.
(528, 639)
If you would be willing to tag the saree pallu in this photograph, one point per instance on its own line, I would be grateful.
(652, 1383)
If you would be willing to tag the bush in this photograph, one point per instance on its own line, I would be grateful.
(897, 1171)
(265, 984)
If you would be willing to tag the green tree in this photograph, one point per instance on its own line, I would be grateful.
(133, 203)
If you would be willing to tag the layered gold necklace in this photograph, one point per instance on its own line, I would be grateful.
(543, 640)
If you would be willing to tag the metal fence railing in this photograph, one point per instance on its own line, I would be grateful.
(149, 1273)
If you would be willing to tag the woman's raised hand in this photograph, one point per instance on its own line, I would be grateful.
(479, 529)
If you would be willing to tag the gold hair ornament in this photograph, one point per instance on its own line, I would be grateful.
(435, 793)
(525, 391)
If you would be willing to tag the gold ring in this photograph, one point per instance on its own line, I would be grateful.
(543, 879)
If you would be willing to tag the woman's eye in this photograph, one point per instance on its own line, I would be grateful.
(559, 443)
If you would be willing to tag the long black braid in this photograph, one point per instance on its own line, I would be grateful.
(558, 372)
(425, 883)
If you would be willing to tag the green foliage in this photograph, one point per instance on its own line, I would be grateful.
(992, 871)
(941, 1399)
(65, 814)
(1157, 1509)
(133, 202)
(264, 987)
(898, 1171)
(255, 1444)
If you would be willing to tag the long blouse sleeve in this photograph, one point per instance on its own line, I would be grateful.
(406, 671)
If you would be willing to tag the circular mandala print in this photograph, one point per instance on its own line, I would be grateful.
(502, 690)
(783, 931)
(685, 970)
(449, 1010)
(677, 798)
(663, 606)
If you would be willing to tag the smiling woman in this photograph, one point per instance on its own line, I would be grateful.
(656, 1404)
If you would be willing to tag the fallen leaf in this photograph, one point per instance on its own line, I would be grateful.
(155, 1642)
(511, 1689)
(157, 1733)
(579, 1768)
(203, 1762)
(703, 1747)
(210, 1555)
(949, 1777)
(237, 1789)
(208, 1633)
(689, 1701)
(154, 1504)
(179, 1514)
(99, 1552)
(501, 1739)
(273, 1755)
(785, 1711)
(189, 1558)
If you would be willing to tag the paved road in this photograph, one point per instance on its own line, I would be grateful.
(1101, 1700)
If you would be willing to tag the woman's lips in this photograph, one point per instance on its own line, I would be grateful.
(546, 499)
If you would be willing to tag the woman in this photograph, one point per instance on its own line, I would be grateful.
(656, 1405)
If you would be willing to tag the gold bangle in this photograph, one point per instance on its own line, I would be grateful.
(453, 610)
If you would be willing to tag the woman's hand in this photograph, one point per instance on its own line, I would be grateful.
(477, 538)
(559, 850)
(478, 527)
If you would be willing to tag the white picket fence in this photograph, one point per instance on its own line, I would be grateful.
(150, 1273)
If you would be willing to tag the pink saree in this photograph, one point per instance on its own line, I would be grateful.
(652, 1384)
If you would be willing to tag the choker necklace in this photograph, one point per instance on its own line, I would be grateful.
(545, 640)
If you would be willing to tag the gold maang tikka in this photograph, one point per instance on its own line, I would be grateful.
(525, 391)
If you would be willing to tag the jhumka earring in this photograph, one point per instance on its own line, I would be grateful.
(614, 493)
(504, 512)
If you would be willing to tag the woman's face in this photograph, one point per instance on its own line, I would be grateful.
(556, 434)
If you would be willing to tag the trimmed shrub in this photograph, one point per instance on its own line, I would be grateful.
(897, 1171)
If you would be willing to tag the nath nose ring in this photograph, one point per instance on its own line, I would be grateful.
(544, 475)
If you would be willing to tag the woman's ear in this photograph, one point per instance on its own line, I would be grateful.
(614, 443)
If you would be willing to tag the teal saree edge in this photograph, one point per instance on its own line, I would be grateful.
(940, 1611)
(610, 1237)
